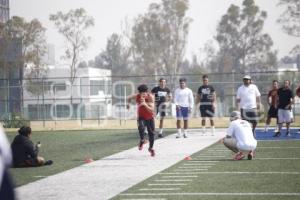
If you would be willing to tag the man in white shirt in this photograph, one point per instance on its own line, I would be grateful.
(239, 137)
(184, 101)
(248, 101)
(6, 184)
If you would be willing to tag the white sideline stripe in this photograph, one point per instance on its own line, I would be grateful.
(211, 194)
(159, 189)
(167, 184)
(181, 176)
(201, 161)
(205, 161)
(174, 180)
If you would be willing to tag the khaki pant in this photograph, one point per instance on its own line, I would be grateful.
(230, 143)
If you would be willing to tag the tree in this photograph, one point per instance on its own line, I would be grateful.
(290, 20)
(115, 57)
(159, 37)
(241, 41)
(73, 26)
(22, 43)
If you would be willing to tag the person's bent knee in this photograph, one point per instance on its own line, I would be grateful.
(40, 161)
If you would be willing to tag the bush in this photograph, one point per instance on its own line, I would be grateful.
(15, 120)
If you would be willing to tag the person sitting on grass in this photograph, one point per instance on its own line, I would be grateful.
(239, 137)
(25, 153)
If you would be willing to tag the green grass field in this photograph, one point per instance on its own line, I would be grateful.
(212, 174)
(69, 149)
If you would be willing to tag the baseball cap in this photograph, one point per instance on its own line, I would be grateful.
(247, 77)
(235, 115)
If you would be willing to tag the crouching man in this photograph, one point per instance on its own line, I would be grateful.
(239, 137)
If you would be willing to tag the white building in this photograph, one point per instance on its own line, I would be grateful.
(55, 97)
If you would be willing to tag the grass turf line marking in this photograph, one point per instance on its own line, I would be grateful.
(181, 176)
(288, 173)
(143, 199)
(190, 170)
(167, 184)
(174, 180)
(159, 189)
(221, 156)
(277, 158)
(211, 194)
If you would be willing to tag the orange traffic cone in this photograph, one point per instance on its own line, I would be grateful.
(88, 160)
(188, 158)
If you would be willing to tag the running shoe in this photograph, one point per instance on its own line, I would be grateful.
(239, 156)
(250, 155)
(152, 152)
(277, 134)
(142, 142)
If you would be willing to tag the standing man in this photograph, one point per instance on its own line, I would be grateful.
(248, 101)
(239, 137)
(162, 96)
(207, 98)
(285, 101)
(184, 101)
(145, 116)
(272, 101)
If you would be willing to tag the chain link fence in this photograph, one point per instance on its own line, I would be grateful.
(103, 99)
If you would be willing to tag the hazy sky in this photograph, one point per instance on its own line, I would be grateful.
(109, 15)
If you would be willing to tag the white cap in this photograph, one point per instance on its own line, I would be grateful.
(247, 77)
(235, 115)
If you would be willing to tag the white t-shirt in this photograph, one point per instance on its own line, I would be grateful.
(5, 153)
(241, 130)
(247, 95)
(184, 97)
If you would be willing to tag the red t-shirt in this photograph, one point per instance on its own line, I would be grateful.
(142, 111)
(273, 94)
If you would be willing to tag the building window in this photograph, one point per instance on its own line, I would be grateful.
(60, 87)
(96, 86)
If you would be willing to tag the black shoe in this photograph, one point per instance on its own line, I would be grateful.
(160, 135)
(277, 134)
(48, 162)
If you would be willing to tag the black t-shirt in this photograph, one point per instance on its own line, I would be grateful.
(206, 93)
(284, 96)
(160, 94)
(23, 149)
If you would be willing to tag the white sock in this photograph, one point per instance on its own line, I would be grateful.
(179, 132)
(212, 130)
(266, 127)
(160, 131)
(203, 129)
(185, 132)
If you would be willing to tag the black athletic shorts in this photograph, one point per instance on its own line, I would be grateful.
(272, 113)
(250, 115)
(207, 111)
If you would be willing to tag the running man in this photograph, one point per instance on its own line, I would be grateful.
(285, 101)
(272, 101)
(207, 98)
(239, 138)
(162, 96)
(184, 101)
(145, 116)
(248, 101)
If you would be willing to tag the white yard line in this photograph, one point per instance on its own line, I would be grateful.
(211, 194)
(159, 189)
(167, 184)
(174, 180)
(181, 176)
(289, 173)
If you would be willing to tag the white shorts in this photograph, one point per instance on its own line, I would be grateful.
(284, 116)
